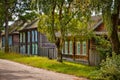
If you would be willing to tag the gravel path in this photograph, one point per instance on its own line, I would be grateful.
(15, 71)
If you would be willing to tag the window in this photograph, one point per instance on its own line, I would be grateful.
(21, 47)
(33, 36)
(78, 47)
(36, 36)
(24, 37)
(24, 49)
(28, 49)
(66, 47)
(84, 48)
(20, 37)
(28, 36)
(33, 48)
(36, 49)
(3, 41)
(10, 40)
(71, 47)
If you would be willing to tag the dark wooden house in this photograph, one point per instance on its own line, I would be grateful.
(33, 42)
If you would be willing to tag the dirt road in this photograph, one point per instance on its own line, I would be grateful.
(14, 71)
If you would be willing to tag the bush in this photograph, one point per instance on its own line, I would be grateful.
(103, 47)
(110, 69)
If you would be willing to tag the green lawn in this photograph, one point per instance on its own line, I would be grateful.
(53, 65)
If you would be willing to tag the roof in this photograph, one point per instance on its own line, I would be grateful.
(13, 28)
(94, 21)
(97, 24)
(30, 25)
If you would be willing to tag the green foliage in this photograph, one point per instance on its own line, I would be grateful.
(103, 46)
(79, 29)
(110, 69)
(53, 65)
(28, 16)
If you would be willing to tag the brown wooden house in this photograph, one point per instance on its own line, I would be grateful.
(33, 42)
(13, 38)
(84, 51)
(13, 41)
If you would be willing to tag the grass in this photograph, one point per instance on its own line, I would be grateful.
(42, 62)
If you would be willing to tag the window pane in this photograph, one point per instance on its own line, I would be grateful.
(36, 49)
(28, 49)
(28, 36)
(78, 47)
(36, 36)
(32, 36)
(66, 47)
(20, 37)
(33, 48)
(24, 37)
(3, 41)
(10, 40)
(84, 48)
(23, 49)
(71, 47)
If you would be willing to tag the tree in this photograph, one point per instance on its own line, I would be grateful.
(110, 10)
(10, 8)
(56, 20)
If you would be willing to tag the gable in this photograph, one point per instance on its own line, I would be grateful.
(100, 28)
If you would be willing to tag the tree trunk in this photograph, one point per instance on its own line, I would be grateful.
(59, 50)
(6, 27)
(114, 35)
(59, 57)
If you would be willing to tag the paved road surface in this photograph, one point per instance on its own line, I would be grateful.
(14, 71)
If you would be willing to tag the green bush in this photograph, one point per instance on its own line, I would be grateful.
(110, 69)
(103, 47)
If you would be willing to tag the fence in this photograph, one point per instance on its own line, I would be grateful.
(94, 57)
(48, 52)
(12, 49)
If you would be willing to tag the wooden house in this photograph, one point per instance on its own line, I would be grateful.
(13, 37)
(84, 51)
(13, 41)
(33, 42)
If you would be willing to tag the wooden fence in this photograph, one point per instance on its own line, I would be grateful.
(48, 52)
(12, 49)
(94, 58)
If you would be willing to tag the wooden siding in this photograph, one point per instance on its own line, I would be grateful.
(75, 56)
